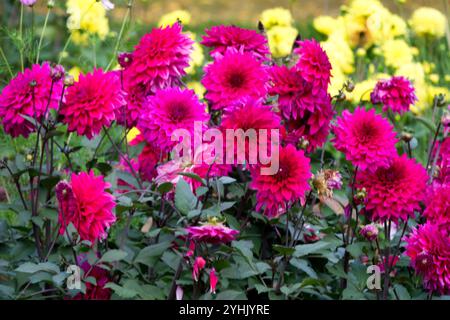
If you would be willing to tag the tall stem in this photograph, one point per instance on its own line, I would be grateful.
(121, 32)
(21, 36)
(41, 38)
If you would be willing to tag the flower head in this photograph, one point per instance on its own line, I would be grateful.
(212, 232)
(394, 192)
(307, 116)
(276, 17)
(222, 37)
(248, 115)
(275, 193)
(428, 247)
(233, 76)
(85, 203)
(91, 102)
(370, 232)
(427, 21)
(314, 64)
(325, 181)
(31, 93)
(160, 58)
(396, 94)
(168, 110)
(28, 3)
(438, 204)
(366, 139)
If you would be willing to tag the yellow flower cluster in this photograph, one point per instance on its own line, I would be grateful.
(280, 32)
(86, 17)
(178, 15)
(428, 22)
(366, 25)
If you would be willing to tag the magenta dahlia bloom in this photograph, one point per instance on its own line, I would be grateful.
(396, 94)
(394, 192)
(136, 101)
(220, 38)
(85, 203)
(160, 58)
(168, 110)
(314, 64)
(429, 249)
(275, 193)
(307, 116)
(16, 99)
(249, 114)
(370, 232)
(438, 204)
(212, 232)
(91, 102)
(443, 161)
(366, 138)
(233, 76)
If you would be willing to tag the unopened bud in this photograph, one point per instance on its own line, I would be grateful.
(439, 100)
(349, 86)
(68, 80)
(51, 4)
(303, 143)
(406, 136)
(57, 72)
(125, 59)
(340, 96)
(370, 232)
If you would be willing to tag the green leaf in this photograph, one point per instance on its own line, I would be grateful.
(121, 291)
(304, 266)
(305, 249)
(185, 200)
(192, 176)
(150, 254)
(113, 255)
(245, 248)
(283, 250)
(29, 267)
(165, 187)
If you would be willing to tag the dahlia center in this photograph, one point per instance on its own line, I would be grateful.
(178, 112)
(236, 80)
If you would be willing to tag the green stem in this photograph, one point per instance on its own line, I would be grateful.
(121, 32)
(21, 38)
(42, 35)
(6, 62)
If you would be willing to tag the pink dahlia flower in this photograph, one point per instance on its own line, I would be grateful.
(314, 64)
(220, 38)
(438, 204)
(91, 102)
(442, 169)
(85, 203)
(367, 139)
(394, 192)
(94, 291)
(168, 110)
(249, 114)
(275, 193)
(136, 100)
(307, 115)
(160, 58)
(212, 232)
(17, 99)
(233, 76)
(396, 94)
(429, 249)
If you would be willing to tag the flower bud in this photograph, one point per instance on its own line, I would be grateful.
(349, 86)
(370, 232)
(28, 3)
(406, 136)
(439, 100)
(125, 59)
(51, 4)
(57, 72)
(68, 80)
